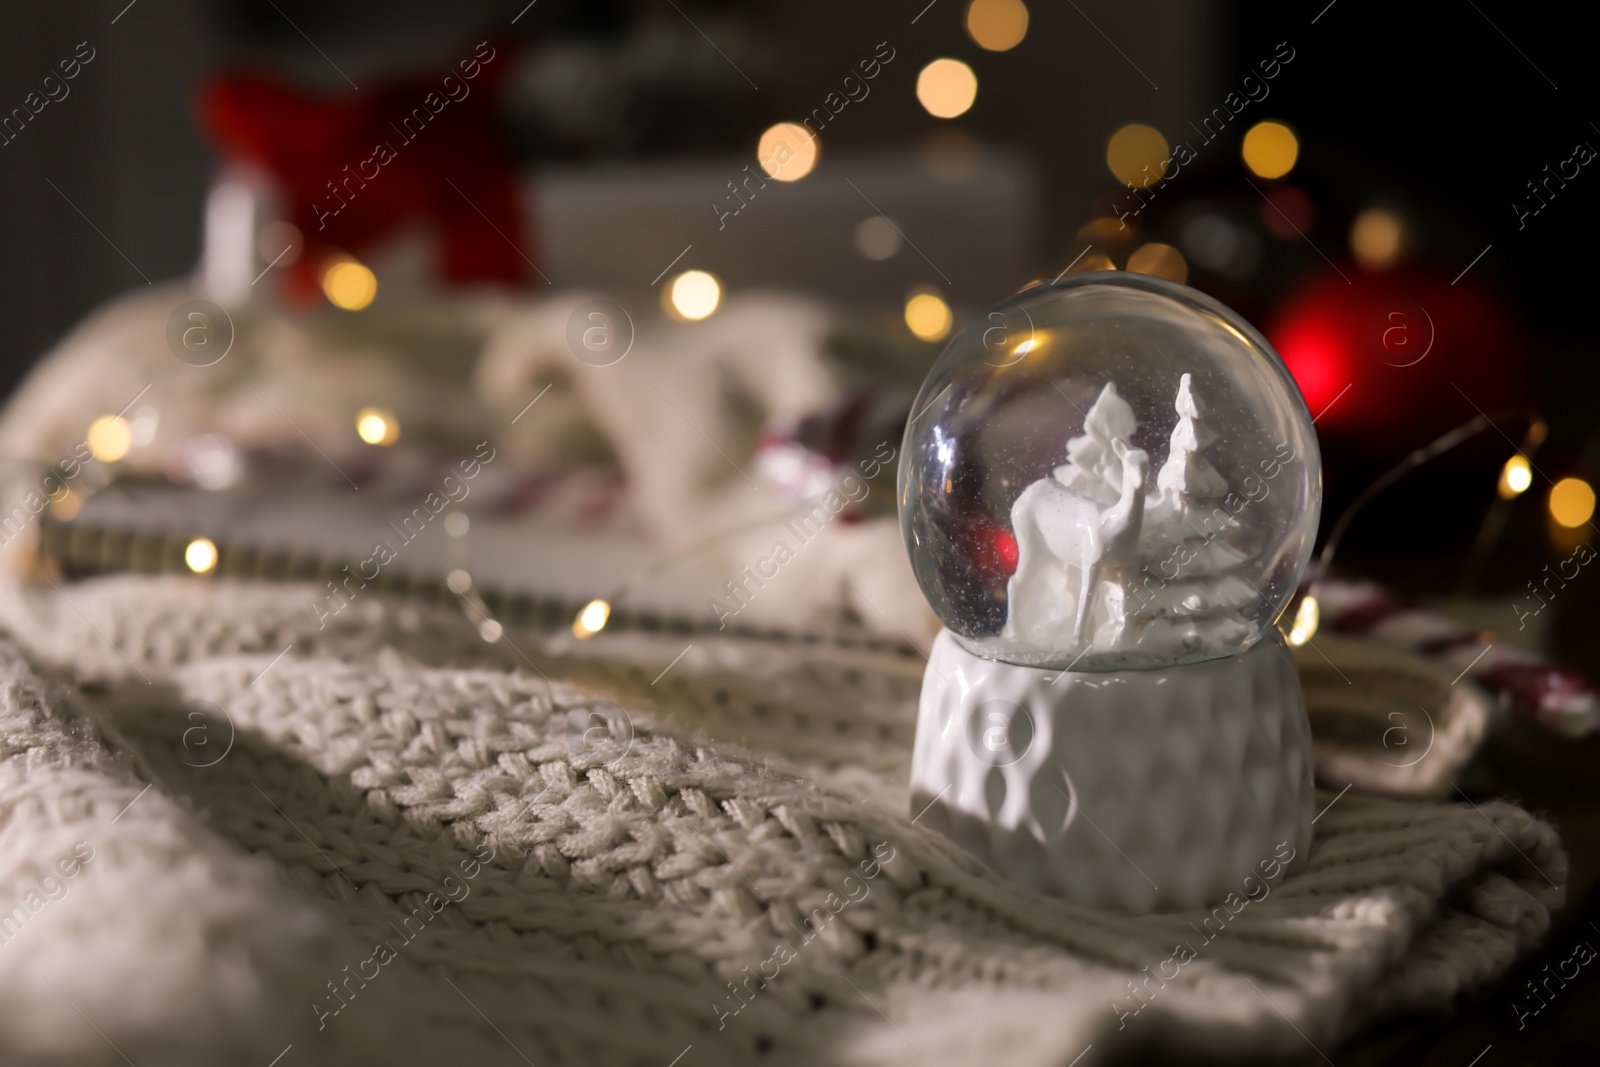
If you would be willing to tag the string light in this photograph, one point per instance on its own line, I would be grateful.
(349, 285)
(1090, 262)
(591, 620)
(1488, 530)
(1306, 621)
(1270, 149)
(1137, 155)
(947, 88)
(66, 505)
(377, 427)
(877, 238)
(928, 316)
(997, 25)
(1571, 502)
(200, 555)
(787, 151)
(109, 438)
(952, 154)
(279, 244)
(1515, 477)
(1376, 238)
(692, 295)
(1161, 261)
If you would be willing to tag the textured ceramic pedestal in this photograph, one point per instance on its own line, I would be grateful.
(1132, 790)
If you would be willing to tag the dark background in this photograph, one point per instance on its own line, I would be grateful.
(1429, 105)
(1426, 105)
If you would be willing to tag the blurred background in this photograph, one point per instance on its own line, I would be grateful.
(1398, 197)
(1398, 204)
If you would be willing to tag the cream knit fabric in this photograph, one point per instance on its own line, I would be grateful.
(388, 842)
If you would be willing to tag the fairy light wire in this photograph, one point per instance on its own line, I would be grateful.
(673, 559)
(1494, 521)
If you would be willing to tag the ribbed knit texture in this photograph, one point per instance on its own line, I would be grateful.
(626, 866)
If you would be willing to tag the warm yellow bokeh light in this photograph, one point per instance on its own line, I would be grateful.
(692, 295)
(66, 505)
(1090, 262)
(787, 151)
(1160, 260)
(349, 285)
(592, 619)
(928, 315)
(377, 427)
(997, 25)
(1107, 231)
(200, 555)
(1137, 155)
(109, 438)
(1270, 149)
(1515, 477)
(1376, 238)
(1571, 502)
(952, 154)
(947, 88)
(1306, 621)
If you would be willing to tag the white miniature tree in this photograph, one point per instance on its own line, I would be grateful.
(1193, 590)
(1094, 463)
(1187, 475)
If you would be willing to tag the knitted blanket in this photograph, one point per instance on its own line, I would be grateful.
(231, 834)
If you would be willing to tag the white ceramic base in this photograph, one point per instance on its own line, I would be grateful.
(1136, 791)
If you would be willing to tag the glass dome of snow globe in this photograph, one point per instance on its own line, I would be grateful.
(1111, 472)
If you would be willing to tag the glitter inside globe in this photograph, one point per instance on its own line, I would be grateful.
(1111, 472)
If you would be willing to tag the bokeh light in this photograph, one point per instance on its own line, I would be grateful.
(947, 88)
(201, 555)
(1376, 238)
(1160, 260)
(1306, 620)
(1288, 213)
(952, 154)
(1137, 155)
(877, 238)
(692, 295)
(1270, 149)
(592, 619)
(928, 316)
(1571, 502)
(349, 285)
(66, 504)
(1090, 262)
(279, 244)
(997, 25)
(787, 151)
(376, 426)
(1515, 477)
(109, 438)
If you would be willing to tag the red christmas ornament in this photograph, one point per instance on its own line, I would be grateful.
(1396, 359)
(354, 169)
(991, 547)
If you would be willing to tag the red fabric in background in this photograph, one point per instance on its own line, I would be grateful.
(308, 143)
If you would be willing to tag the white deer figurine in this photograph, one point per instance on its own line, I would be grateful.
(1058, 529)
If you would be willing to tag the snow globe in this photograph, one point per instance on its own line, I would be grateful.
(1109, 488)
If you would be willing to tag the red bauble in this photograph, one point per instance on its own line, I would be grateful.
(1389, 361)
